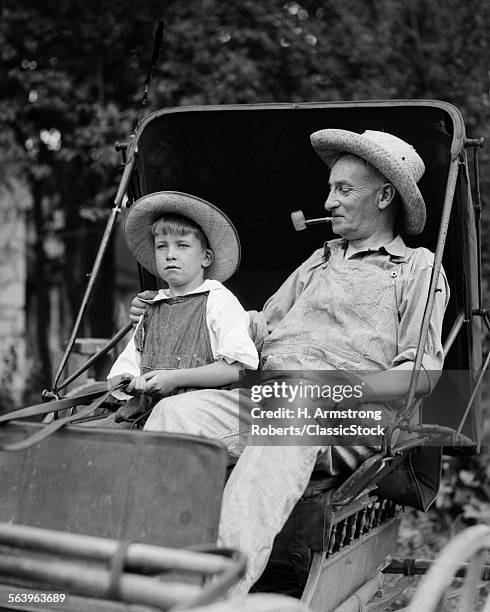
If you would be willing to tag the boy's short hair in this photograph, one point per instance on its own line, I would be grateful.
(179, 225)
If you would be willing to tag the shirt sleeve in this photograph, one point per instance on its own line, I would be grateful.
(277, 306)
(128, 362)
(413, 296)
(257, 328)
(228, 325)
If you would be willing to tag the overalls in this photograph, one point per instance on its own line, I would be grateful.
(345, 319)
(173, 334)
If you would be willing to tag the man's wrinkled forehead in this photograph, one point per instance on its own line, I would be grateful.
(351, 168)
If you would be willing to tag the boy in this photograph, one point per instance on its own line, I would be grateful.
(195, 332)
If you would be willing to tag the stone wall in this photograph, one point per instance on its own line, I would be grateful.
(14, 199)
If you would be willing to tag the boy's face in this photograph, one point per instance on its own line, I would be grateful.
(181, 261)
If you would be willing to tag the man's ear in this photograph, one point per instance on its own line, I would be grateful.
(386, 193)
(207, 258)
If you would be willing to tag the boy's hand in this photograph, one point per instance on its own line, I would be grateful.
(136, 386)
(138, 307)
(119, 379)
(157, 383)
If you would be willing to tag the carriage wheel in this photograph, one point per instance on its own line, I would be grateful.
(471, 545)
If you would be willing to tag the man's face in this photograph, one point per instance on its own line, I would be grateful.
(353, 199)
(181, 261)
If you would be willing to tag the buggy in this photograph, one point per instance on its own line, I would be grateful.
(256, 163)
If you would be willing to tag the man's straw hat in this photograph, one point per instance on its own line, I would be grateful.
(219, 230)
(397, 161)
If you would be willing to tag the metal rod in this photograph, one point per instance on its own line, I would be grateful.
(100, 353)
(97, 581)
(147, 556)
(441, 240)
(478, 210)
(417, 567)
(123, 184)
(359, 599)
(476, 388)
(455, 329)
(93, 277)
(128, 169)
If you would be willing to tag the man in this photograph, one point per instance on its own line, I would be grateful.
(356, 304)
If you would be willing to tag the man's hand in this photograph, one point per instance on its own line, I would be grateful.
(138, 306)
(158, 383)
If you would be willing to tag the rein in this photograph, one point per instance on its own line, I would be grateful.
(96, 398)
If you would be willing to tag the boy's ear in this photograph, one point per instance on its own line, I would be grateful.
(207, 258)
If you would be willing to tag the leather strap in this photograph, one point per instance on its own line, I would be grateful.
(46, 407)
(55, 425)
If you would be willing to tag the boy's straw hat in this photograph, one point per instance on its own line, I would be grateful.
(219, 230)
(397, 161)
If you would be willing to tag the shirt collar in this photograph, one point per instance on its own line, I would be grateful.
(395, 248)
(207, 285)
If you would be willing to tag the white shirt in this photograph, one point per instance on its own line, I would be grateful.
(227, 324)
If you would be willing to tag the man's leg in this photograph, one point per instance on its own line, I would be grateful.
(267, 481)
(262, 491)
(259, 496)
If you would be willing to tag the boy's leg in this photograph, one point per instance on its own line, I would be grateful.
(210, 413)
(265, 484)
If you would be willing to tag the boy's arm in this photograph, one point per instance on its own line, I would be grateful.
(228, 326)
(163, 382)
(128, 362)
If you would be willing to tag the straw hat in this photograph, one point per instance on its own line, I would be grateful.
(397, 161)
(219, 230)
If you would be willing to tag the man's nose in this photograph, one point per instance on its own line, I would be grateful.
(331, 201)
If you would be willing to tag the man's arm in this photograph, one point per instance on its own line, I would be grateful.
(392, 384)
(138, 306)
(413, 297)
